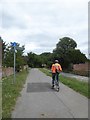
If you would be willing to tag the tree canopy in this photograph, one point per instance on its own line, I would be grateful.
(8, 56)
(65, 52)
(34, 60)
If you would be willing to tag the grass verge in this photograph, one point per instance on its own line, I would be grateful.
(10, 92)
(78, 86)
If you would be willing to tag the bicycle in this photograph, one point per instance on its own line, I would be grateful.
(55, 81)
(56, 85)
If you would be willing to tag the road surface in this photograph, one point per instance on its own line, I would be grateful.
(38, 100)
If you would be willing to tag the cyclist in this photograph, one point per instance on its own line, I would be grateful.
(53, 69)
(56, 68)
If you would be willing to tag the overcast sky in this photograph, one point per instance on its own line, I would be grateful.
(39, 24)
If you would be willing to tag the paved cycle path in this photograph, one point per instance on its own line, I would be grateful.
(38, 100)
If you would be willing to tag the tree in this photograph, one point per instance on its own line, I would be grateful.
(64, 45)
(46, 58)
(66, 53)
(4, 52)
(34, 60)
(20, 62)
(8, 58)
(77, 57)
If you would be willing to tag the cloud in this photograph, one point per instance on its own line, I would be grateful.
(13, 17)
(47, 43)
(40, 23)
(9, 21)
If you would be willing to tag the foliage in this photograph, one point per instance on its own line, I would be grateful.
(77, 57)
(4, 49)
(66, 53)
(34, 60)
(46, 58)
(8, 56)
(39, 60)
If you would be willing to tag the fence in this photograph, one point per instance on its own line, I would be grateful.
(79, 67)
(82, 69)
(7, 71)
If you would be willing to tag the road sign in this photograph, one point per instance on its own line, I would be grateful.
(19, 48)
(16, 47)
(14, 44)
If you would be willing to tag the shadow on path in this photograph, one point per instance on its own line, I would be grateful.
(39, 87)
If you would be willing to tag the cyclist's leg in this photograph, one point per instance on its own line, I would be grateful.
(53, 79)
(57, 79)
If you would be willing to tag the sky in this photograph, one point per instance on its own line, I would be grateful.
(39, 24)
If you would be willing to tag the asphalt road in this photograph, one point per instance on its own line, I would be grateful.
(38, 100)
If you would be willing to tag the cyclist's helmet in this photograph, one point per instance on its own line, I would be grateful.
(56, 61)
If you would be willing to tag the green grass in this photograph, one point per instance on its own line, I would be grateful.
(78, 86)
(10, 92)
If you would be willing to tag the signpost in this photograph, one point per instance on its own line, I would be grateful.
(16, 47)
(14, 44)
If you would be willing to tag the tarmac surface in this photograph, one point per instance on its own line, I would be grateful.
(38, 100)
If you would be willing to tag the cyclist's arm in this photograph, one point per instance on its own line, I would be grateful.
(60, 68)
